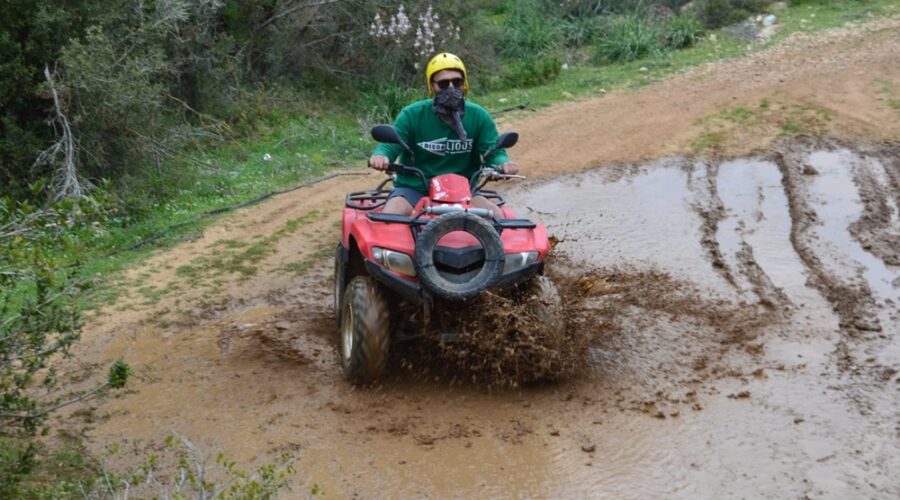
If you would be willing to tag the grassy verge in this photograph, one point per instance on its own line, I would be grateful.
(589, 80)
(732, 126)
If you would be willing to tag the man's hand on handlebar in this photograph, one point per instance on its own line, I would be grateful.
(379, 162)
(509, 168)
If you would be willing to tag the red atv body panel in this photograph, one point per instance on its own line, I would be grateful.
(450, 189)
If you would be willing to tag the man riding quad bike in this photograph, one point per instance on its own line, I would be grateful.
(437, 239)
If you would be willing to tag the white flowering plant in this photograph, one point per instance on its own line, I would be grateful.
(411, 37)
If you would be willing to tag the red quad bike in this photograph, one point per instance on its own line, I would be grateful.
(392, 272)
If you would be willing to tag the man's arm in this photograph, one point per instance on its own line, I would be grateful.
(387, 153)
(487, 139)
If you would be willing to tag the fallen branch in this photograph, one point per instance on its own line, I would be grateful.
(66, 182)
(44, 411)
(513, 108)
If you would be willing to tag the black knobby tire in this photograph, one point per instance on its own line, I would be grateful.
(437, 229)
(365, 324)
(340, 281)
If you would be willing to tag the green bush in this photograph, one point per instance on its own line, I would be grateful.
(383, 102)
(31, 35)
(533, 71)
(39, 320)
(580, 31)
(627, 38)
(17, 461)
(717, 13)
(529, 31)
(681, 31)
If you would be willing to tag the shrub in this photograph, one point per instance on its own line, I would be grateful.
(31, 35)
(580, 31)
(627, 38)
(383, 102)
(39, 321)
(681, 31)
(184, 471)
(533, 71)
(717, 13)
(529, 31)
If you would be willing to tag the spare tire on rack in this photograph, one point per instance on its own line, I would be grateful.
(434, 280)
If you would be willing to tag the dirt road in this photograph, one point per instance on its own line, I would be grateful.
(750, 305)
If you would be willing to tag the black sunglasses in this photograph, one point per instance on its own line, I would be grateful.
(443, 84)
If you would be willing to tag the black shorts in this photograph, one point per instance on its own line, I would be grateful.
(409, 194)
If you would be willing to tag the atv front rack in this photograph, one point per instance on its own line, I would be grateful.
(367, 200)
(374, 198)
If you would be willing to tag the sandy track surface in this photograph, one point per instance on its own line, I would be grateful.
(749, 306)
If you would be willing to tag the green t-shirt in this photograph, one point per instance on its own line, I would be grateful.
(437, 148)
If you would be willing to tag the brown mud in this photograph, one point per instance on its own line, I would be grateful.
(508, 338)
(738, 315)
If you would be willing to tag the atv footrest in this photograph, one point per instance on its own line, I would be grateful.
(396, 219)
(515, 224)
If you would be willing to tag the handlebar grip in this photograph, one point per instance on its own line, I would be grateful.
(398, 168)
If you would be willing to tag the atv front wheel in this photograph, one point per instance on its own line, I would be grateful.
(340, 282)
(365, 331)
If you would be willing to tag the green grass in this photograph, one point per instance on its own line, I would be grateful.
(152, 294)
(730, 123)
(298, 149)
(628, 38)
(235, 258)
(589, 80)
(303, 265)
(58, 471)
(889, 93)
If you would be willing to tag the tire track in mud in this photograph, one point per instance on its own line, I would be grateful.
(878, 228)
(853, 303)
(770, 296)
(711, 210)
(786, 174)
(865, 352)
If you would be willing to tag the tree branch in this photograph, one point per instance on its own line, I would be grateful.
(66, 182)
(46, 410)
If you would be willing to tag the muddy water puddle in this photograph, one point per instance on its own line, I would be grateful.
(721, 363)
(732, 229)
(638, 215)
(836, 199)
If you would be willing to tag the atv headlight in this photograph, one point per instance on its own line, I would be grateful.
(516, 261)
(395, 261)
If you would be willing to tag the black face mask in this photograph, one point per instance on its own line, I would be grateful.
(450, 105)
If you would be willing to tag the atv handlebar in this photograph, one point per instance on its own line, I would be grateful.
(487, 174)
(490, 174)
(396, 168)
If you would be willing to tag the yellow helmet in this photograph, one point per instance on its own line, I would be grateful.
(442, 61)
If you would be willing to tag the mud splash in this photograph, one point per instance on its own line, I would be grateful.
(520, 336)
